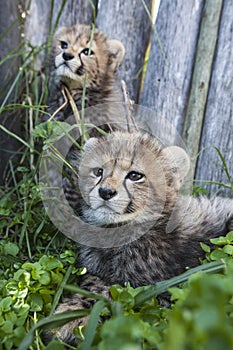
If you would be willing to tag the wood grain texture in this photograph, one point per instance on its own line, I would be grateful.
(188, 86)
(201, 76)
(167, 81)
(218, 124)
(8, 71)
(75, 11)
(128, 22)
(36, 27)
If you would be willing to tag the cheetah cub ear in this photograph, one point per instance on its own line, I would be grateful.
(178, 162)
(91, 144)
(117, 53)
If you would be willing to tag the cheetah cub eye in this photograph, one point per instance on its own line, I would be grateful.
(64, 45)
(135, 176)
(87, 52)
(98, 172)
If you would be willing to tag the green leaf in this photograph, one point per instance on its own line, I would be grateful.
(230, 236)
(11, 249)
(127, 332)
(201, 315)
(205, 247)
(7, 327)
(28, 266)
(5, 304)
(45, 278)
(222, 240)
(22, 276)
(8, 342)
(18, 334)
(178, 293)
(2, 319)
(11, 316)
(21, 308)
(52, 131)
(55, 345)
(36, 302)
(56, 277)
(5, 211)
(50, 262)
(126, 298)
(42, 276)
(228, 249)
(218, 254)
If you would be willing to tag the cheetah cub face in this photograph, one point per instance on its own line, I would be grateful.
(82, 53)
(129, 178)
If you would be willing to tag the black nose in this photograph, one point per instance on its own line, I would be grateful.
(106, 193)
(67, 56)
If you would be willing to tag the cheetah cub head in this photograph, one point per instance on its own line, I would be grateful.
(83, 53)
(128, 177)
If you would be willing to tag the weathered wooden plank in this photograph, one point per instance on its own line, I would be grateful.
(128, 22)
(201, 75)
(218, 124)
(167, 80)
(75, 11)
(36, 27)
(8, 70)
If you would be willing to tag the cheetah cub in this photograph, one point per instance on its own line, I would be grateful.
(128, 187)
(84, 58)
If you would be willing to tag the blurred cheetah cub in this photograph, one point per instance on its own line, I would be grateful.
(83, 56)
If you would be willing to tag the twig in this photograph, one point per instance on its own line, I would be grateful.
(76, 113)
(128, 107)
(68, 98)
(61, 107)
(73, 105)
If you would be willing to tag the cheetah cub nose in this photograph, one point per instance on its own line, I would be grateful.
(106, 193)
(67, 56)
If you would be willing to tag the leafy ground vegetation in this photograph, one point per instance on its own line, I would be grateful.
(37, 266)
(38, 263)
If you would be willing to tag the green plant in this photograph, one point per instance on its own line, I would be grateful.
(199, 190)
(135, 320)
(29, 290)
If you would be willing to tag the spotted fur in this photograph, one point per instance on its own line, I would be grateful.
(85, 56)
(143, 178)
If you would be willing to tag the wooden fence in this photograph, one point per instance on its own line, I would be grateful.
(189, 77)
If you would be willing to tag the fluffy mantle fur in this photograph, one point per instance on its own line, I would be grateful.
(117, 171)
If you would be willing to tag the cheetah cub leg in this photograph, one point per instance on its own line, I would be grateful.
(90, 283)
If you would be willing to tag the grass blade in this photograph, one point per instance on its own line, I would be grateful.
(153, 20)
(163, 286)
(8, 132)
(213, 183)
(61, 287)
(225, 167)
(75, 289)
(52, 322)
(92, 324)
